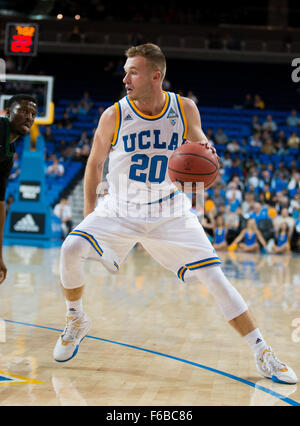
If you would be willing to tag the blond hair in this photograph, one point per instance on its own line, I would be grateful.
(152, 53)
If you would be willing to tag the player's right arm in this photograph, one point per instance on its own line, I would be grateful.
(3, 183)
(100, 149)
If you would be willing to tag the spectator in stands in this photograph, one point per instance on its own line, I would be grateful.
(236, 168)
(209, 135)
(270, 170)
(66, 121)
(293, 119)
(267, 194)
(220, 233)
(258, 213)
(100, 112)
(281, 137)
(284, 217)
(218, 197)
(255, 125)
(85, 103)
(249, 238)
(265, 178)
(48, 136)
(294, 208)
(220, 137)
(248, 204)
(282, 171)
(258, 102)
(239, 183)
(82, 154)
(253, 178)
(269, 124)
(233, 193)
(208, 223)
(244, 146)
(55, 170)
(248, 102)
(268, 147)
(191, 95)
(255, 140)
(265, 135)
(294, 182)
(61, 148)
(71, 109)
(84, 139)
(280, 147)
(280, 201)
(282, 244)
(232, 221)
(233, 146)
(293, 141)
(82, 108)
(63, 211)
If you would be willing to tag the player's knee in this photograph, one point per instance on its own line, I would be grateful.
(227, 297)
(74, 248)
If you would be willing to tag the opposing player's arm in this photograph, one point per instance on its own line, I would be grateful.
(100, 149)
(3, 183)
(193, 122)
(3, 269)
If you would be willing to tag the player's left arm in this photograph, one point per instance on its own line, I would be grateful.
(193, 123)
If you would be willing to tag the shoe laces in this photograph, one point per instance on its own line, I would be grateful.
(71, 328)
(271, 362)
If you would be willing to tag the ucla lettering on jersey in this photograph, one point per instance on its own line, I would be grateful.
(141, 148)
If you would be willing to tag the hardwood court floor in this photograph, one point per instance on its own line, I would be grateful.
(153, 341)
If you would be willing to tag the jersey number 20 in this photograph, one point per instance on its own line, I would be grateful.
(141, 171)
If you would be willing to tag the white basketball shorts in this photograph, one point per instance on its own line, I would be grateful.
(178, 243)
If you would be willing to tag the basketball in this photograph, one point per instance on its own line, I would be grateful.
(194, 162)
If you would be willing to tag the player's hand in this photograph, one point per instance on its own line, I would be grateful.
(3, 271)
(208, 146)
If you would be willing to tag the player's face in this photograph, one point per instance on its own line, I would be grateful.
(22, 116)
(138, 78)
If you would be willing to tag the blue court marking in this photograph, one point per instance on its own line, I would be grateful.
(5, 379)
(195, 364)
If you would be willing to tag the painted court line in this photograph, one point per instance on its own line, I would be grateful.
(195, 364)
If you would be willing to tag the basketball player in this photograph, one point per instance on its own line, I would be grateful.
(20, 116)
(139, 133)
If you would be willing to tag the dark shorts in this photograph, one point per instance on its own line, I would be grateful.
(5, 169)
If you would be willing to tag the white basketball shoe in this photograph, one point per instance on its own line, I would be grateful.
(270, 367)
(68, 342)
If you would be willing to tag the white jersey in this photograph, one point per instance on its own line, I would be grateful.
(141, 148)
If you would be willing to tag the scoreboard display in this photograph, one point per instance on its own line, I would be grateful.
(21, 39)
